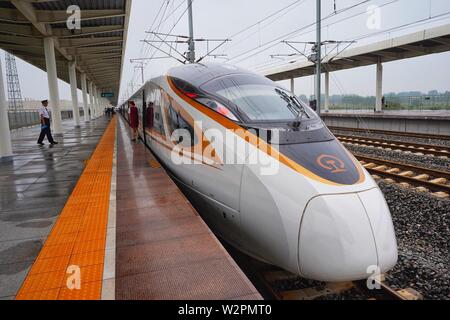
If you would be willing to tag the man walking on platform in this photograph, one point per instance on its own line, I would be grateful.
(45, 124)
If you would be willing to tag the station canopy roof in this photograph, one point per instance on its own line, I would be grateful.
(98, 47)
(428, 41)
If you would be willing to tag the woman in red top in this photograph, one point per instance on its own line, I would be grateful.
(134, 120)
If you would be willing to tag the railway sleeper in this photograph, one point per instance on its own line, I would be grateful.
(441, 194)
(406, 174)
(422, 177)
(439, 181)
(314, 292)
(422, 189)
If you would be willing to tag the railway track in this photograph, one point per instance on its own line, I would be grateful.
(277, 284)
(315, 290)
(394, 133)
(416, 148)
(409, 176)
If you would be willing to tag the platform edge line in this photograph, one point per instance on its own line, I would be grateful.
(109, 266)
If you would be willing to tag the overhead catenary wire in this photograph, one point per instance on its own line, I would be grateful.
(288, 35)
(258, 23)
(438, 17)
(331, 24)
(160, 26)
(166, 3)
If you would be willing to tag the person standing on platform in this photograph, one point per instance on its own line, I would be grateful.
(45, 124)
(134, 120)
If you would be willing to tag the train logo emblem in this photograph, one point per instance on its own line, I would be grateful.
(331, 163)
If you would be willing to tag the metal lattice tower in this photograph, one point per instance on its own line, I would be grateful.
(12, 79)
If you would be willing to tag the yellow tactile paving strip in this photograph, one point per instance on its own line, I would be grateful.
(78, 237)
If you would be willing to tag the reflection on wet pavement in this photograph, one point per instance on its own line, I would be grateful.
(34, 187)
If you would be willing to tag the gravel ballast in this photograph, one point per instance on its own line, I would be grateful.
(406, 139)
(425, 161)
(422, 226)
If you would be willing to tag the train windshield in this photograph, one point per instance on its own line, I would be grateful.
(258, 98)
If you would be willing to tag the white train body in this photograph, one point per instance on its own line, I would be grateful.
(320, 216)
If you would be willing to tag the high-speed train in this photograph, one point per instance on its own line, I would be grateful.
(267, 174)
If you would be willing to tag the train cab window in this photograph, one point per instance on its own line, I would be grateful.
(259, 98)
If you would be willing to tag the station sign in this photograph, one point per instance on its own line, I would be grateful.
(107, 94)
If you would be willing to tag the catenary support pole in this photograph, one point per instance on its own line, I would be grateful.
(319, 54)
(379, 89)
(327, 91)
(191, 33)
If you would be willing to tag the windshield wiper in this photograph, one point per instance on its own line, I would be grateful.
(300, 110)
(289, 101)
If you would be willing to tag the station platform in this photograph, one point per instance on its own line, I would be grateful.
(34, 187)
(425, 121)
(97, 217)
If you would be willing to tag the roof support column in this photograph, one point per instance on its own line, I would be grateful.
(85, 99)
(95, 102)
(50, 61)
(99, 99)
(100, 103)
(327, 91)
(73, 89)
(292, 85)
(91, 100)
(5, 134)
(379, 97)
(102, 108)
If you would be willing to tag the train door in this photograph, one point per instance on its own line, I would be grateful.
(156, 133)
(138, 101)
(216, 183)
(143, 117)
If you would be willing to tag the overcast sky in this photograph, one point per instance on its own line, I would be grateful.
(217, 19)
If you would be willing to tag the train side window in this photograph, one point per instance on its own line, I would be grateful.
(149, 115)
(176, 122)
(158, 124)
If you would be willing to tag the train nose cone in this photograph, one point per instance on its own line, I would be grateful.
(344, 237)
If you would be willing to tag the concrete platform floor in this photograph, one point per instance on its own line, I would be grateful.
(34, 187)
(164, 250)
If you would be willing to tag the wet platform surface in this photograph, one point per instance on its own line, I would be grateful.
(34, 188)
(164, 250)
(103, 204)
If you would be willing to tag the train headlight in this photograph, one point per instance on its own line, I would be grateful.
(218, 107)
(193, 93)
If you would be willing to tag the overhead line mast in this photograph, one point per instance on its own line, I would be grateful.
(174, 53)
(191, 53)
(318, 48)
